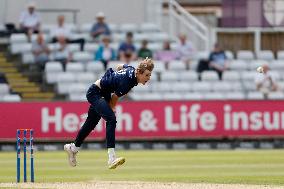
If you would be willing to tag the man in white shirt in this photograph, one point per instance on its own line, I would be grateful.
(30, 20)
(61, 30)
(265, 82)
(185, 49)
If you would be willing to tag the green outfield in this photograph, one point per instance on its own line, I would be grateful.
(238, 166)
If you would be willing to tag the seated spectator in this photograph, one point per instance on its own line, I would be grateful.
(40, 51)
(144, 51)
(30, 21)
(105, 53)
(218, 60)
(265, 82)
(166, 54)
(127, 49)
(62, 54)
(100, 27)
(3, 78)
(185, 49)
(62, 31)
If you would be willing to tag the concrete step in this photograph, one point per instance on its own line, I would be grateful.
(22, 84)
(38, 95)
(8, 70)
(26, 89)
(13, 80)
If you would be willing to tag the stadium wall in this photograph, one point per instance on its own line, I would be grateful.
(115, 11)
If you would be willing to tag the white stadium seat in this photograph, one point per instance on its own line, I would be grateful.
(265, 55)
(255, 96)
(95, 67)
(149, 27)
(53, 67)
(201, 86)
(214, 96)
(280, 55)
(83, 56)
(276, 95)
(74, 67)
(235, 96)
(87, 78)
(245, 55)
(11, 98)
(18, 38)
(177, 65)
(238, 65)
(188, 76)
(169, 76)
(129, 27)
(222, 86)
(209, 76)
(231, 76)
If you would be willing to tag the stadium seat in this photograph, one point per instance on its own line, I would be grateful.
(18, 38)
(193, 96)
(229, 55)
(128, 27)
(74, 67)
(20, 48)
(177, 65)
(77, 88)
(255, 95)
(72, 48)
(188, 76)
(169, 76)
(214, 96)
(160, 87)
(95, 67)
(280, 55)
(82, 56)
(277, 65)
(231, 76)
(209, 76)
(4, 89)
(11, 98)
(276, 95)
(28, 58)
(64, 81)
(91, 47)
(181, 87)
(245, 55)
(265, 55)
(152, 96)
(86, 27)
(172, 96)
(159, 66)
(87, 78)
(141, 89)
(159, 37)
(53, 67)
(238, 65)
(248, 75)
(221, 86)
(235, 96)
(148, 27)
(202, 86)
(155, 46)
(77, 97)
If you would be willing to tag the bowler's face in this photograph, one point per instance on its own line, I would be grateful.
(144, 77)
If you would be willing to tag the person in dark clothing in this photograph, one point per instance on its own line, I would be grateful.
(103, 96)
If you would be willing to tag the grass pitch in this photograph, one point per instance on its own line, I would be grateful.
(229, 167)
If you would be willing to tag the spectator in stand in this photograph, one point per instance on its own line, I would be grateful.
(266, 82)
(105, 53)
(144, 51)
(127, 51)
(100, 27)
(185, 49)
(218, 60)
(3, 78)
(40, 51)
(166, 54)
(62, 54)
(63, 31)
(30, 21)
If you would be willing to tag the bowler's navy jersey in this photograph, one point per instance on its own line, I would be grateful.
(119, 82)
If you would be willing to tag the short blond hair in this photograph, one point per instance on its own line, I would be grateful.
(146, 64)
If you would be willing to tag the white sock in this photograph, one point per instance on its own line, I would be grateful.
(111, 154)
(74, 148)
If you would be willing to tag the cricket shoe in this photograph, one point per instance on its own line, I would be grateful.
(71, 154)
(116, 162)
